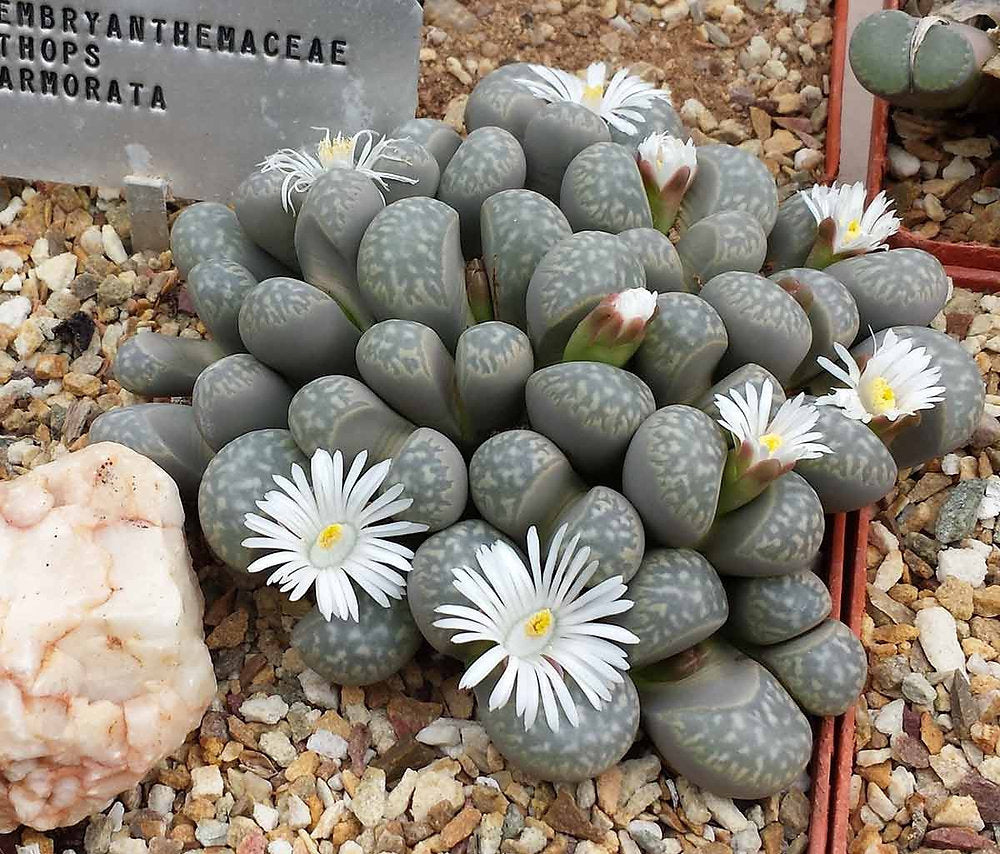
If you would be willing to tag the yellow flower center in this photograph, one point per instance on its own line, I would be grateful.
(593, 94)
(853, 229)
(883, 397)
(771, 441)
(538, 624)
(333, 149)
(330, 536)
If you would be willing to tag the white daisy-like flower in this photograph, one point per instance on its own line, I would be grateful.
(332, 534)
(787, 438)
(858, 229)
(359, 152)
(543, 624)
(898, 380)
(665, 156)
(616, 101)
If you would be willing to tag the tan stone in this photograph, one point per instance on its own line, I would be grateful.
(460, 827)
(51, 366)
(930, 734)
(82, 385)
(956, 596)
(986, 601)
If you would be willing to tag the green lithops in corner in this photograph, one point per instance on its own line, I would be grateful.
(930, 63)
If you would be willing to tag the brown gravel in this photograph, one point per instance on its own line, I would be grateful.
(944, 175)
(719, 58)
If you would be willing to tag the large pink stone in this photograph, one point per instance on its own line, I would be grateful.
(103, 664)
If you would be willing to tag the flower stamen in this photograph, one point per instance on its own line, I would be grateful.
(330, 536)
(883, 397)
(772, 441)
(538, 624)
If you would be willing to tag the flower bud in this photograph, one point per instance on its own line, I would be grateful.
(668, 166)
(613, 331)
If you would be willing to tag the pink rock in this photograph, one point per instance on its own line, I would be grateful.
(103, 665)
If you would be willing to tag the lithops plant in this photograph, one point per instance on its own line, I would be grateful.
(724, 721)
(537, 639)
(773, 609)
(519, 479)
(158, 365)
(238, 394)
(567, 435)
(569, 282)
(438, 138)
(590, 410)
(823, 669)
(488, 162)
(931, 63)
(831, 310)
(346, 652)
(764, 323)
(729, 179)
(341, 412)
(164, 432)
(779, 532)
(720, 243)
(679, 602)
(901, 287)
(684, 343)
(602, 191)
(673, 474)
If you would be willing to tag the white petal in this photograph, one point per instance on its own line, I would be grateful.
(483, 667)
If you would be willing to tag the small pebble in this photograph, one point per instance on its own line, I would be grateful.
(939, 639)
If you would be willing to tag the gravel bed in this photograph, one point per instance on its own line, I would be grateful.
(747, 72)
(944, 175)
(927, 774)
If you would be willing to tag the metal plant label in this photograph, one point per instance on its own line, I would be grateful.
(194, 92)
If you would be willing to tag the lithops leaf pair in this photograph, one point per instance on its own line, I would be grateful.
(533, 624)
(724, 722)
(520, 479)
(930, 63)
(341, 412)
(466, 397)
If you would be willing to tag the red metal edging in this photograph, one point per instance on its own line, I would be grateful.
(821, 830)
